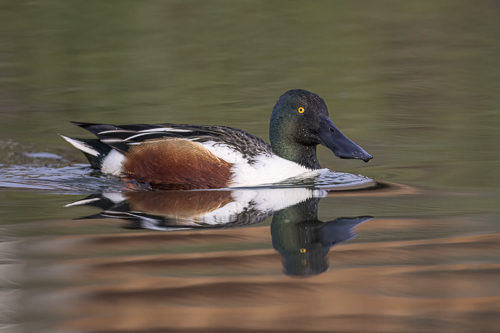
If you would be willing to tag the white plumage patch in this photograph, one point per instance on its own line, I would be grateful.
(164, 129)
(113, 163)
(81, 146)
(135, 136)
(116, 131)
(155, 130)
(267, 169)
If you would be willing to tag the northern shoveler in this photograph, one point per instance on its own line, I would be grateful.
(175, 156)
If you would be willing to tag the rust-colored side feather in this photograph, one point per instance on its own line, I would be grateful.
(176, 164)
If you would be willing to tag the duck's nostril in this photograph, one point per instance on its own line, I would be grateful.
(332, 130)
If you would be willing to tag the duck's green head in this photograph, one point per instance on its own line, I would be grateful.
(300, 122)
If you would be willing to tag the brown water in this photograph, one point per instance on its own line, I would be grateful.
(416, 84)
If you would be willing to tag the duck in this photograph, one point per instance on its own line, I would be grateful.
(187, 157)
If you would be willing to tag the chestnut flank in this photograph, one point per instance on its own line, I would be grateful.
(176, 164)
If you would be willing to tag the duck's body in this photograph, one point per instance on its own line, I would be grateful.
(176, 156)
(173, 156)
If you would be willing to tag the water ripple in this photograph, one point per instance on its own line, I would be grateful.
(81, 179)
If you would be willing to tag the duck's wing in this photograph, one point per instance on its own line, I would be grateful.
(124, 136)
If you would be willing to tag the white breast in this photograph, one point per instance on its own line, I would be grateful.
(267, 169)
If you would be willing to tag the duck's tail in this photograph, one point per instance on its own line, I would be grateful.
(93, 149)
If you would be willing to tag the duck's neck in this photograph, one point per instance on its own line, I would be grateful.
(284, 141)
(298, 153)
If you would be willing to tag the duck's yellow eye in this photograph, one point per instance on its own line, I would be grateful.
(301, 110)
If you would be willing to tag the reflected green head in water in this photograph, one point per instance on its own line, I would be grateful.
(300, 122)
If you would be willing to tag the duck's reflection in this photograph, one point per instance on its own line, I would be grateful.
(304, 241)
(297, 234)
